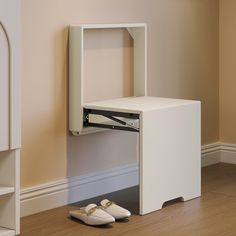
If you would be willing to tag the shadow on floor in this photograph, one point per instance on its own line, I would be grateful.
(128, 198)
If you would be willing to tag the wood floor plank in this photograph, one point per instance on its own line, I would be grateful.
(212, 214)
(216, 176)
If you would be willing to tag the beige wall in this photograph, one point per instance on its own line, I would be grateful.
(228, 71)
(182, 62)
(108, 64)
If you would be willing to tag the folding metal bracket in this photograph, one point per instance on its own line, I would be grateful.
(112, 116)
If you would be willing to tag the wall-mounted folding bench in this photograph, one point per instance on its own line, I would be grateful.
(169, 129)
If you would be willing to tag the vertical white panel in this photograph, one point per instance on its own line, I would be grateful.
(75, 79)
(169, 156)
(15, 88)
(17, 190)
(10, 16)
(139, 35)
(4, 89)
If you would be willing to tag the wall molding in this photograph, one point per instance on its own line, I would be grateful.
(228, 153)
(55, 194)
(218, 152)
(210, 154)
(59, 193)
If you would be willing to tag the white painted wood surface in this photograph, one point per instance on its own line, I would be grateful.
(6, 232)
(76, 68)
(10, 17)
(4, 89)
(17, 191)
(75, 82)
(10, 177)
(110, 26)
(137, 104)
(6, 190)
(7, 167)
(7, 212)
(10, 122)
(170, 147)
(170, 158)
(139, 34)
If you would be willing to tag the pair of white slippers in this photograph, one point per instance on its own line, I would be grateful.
(107, 213)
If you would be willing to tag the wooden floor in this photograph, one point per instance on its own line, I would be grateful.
(214, 214)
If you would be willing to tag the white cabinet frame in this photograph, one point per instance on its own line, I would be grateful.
(169, 147)
(169, 129)
(76, 68)
(10, 116)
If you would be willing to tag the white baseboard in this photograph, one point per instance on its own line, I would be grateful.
(210, 154)
(228, 153)
(55, 194)
(218, 152)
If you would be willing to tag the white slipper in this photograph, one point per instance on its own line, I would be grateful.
(92, 215)
(116, 211)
